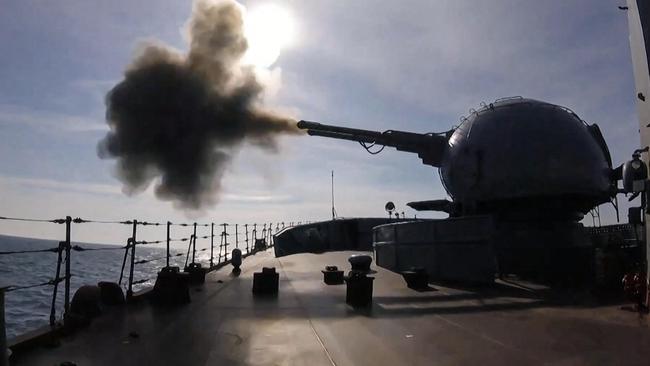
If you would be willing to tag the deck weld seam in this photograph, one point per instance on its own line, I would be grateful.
(320, 341)
(311, 325)
(488, 338)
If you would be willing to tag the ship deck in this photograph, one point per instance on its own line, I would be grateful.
(308, 323)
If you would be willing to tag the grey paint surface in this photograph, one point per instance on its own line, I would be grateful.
(309, 324)
(639, 28)
(538, 155)
(644, 17)
(524, 148)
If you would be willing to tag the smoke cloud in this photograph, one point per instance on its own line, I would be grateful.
(178, 119)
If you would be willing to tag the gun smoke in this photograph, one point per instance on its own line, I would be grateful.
(178, 119)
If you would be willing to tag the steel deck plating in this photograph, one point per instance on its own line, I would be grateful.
(309, 323)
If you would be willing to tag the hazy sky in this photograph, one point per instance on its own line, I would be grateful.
(409, 65)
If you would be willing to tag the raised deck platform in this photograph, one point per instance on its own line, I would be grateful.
(310, 324)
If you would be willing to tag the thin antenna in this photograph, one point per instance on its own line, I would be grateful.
(333, 209)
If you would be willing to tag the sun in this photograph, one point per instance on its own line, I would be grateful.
(268, 29)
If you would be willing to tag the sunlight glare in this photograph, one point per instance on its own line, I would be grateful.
(268, 29)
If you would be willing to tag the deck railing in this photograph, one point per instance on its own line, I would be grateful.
(243, 240)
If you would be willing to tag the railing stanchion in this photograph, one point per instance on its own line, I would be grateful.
(129, 292)
(211, 245)
(225, 243)
(236, 236)
(126, 253)
(169, 224)
(4, 357)
(264, 236)
(220, 246)
(187, 255)
(246, 229)
(66, 303)
(56, 283)
(194, 246)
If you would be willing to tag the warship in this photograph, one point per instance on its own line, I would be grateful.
(512, 276)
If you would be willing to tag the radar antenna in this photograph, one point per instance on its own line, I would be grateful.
(389, 207)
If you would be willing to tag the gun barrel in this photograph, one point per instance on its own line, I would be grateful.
(315, 126)
(342, 136)
(429, 147)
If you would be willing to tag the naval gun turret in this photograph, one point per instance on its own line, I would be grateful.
(516, 157)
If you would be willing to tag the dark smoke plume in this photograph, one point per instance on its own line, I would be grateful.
(177, 119)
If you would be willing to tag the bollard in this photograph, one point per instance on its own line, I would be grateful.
(360, 262)
(172, 287)
(266, 282)
(358, 292)
(332, 275)
(236, 258)
(416, 278)
(196, 273)
(4, 356)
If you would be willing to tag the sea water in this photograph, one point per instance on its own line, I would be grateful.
(28, 309)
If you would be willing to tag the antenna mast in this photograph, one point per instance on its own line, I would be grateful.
(333, 209)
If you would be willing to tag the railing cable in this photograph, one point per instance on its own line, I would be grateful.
(79, 220)
(54, 221)
(79, 248)
(47, 283)
(51, 250)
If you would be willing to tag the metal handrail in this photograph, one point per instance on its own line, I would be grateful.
(65, 248)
